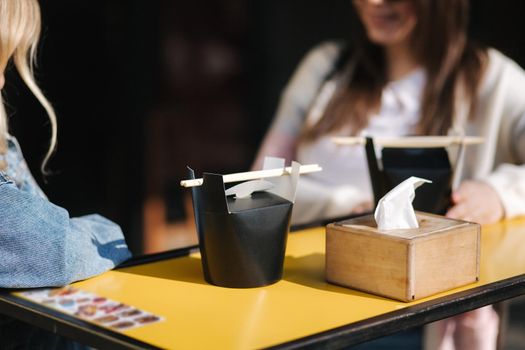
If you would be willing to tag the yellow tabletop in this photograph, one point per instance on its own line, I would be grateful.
(202, 316)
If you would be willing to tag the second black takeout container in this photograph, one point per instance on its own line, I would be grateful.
(398, 164)
(243, 240)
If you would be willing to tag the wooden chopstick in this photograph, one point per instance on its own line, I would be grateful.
(253, 175)
(411, 141)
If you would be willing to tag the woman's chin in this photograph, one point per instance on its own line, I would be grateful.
(385, 38)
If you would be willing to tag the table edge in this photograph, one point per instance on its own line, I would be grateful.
(411, 316)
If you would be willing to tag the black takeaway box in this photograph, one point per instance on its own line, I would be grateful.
(243, 230)
(427, 157)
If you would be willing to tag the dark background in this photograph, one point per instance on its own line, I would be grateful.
(143, 88)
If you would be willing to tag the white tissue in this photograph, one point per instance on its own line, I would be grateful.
(394, 210)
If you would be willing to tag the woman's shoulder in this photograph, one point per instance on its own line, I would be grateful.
(328, 50)
(497, 57)
(323, 56)
(501, 66)
(503, 83)
(316, 65)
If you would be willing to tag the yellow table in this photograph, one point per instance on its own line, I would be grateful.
(300, 310)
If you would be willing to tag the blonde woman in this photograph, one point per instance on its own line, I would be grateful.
(40, 244)
(412, 71)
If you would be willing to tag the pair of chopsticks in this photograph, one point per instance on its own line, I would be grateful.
(411, 141)
(254, 175)
(420, 142)
(393, 142)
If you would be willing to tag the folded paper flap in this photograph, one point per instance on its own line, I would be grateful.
(245, 189)
(214, 199)
(429, 224)
(249, 195)
(213, 194)
(209, 195)
(285, 186)
(257, 200)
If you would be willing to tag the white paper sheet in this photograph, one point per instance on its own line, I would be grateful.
(394, 210)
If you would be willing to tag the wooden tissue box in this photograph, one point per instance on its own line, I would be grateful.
(403, 264)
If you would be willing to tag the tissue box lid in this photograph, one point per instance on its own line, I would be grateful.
(256, 201)
(429, 224)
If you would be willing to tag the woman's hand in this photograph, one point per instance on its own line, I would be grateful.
(476, 201)
(363, 207)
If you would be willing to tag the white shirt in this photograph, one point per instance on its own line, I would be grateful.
(345, 169)
(499, 119)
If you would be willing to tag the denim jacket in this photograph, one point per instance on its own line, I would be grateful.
(40, 244)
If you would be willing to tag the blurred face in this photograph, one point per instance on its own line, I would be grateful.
(387, 22)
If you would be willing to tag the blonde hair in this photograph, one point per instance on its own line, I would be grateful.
(19, 35)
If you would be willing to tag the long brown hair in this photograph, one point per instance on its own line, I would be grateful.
(445, 53)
